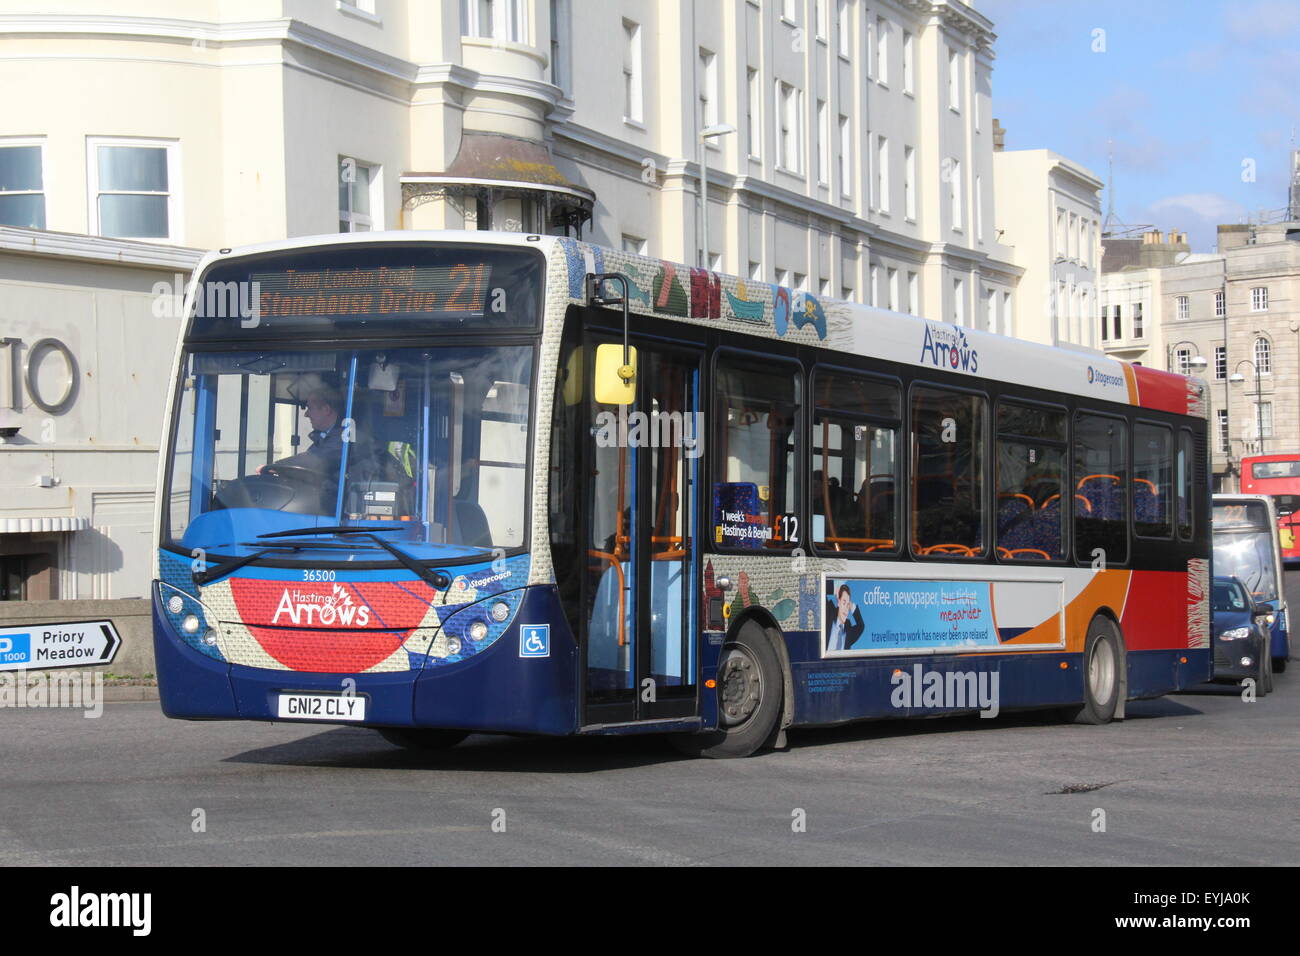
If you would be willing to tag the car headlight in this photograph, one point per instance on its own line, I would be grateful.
(1235, 634)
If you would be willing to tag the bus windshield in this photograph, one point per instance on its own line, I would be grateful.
(1248, 555)
(429, 444)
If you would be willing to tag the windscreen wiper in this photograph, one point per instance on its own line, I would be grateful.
(440, 580)
(221, 570)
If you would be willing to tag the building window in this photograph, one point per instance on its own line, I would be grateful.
(823, 143)
(560, 19)
(22, 184)
(1139, 329)
(820, 18)
(635, 245)
(909, 183)
(1259, 298)
(753, 97)
(788, 9)
(913, 294)
(1006, 314)
(783, 278)
(1060, 234)
(893, 289)
(843, 27)
(1220, 305)
(882, 51)
(979, 209)
(1183, 361)
(958, 302)
(800, 281)
(707, 82)
(497, 19)
(133, 189)
(756, 271)
(907, 63)
(954, 192)
(1105, 323)
(1119, 323)
(991, 310)
(1263, 356)
(632, 71)
(1184, 307)
(1264, 413)
(359, 194)
(954, 80)
(875, 286)
(846, 153)
(882, 173)
(787, 108)
(1220, 363)
(1222, 415)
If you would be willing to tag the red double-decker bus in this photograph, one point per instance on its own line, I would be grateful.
(1278, 476)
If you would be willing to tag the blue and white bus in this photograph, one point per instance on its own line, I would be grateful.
(446, 483)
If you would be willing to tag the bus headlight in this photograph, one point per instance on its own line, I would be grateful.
(500, 611)
(453, 645)
(176, 604)
(190, 623)
(478, 630)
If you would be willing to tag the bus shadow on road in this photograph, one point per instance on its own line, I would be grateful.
(900, 729)
(359, 748)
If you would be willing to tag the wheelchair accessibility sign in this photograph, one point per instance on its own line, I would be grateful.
(535, 640)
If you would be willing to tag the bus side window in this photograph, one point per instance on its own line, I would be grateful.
(756, 484)
(1100, 499)
(1186, 456)
(854, 463)
(948, 440)
(1030, 475)
(1152, 480)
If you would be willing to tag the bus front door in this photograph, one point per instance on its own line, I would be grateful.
(641, 515)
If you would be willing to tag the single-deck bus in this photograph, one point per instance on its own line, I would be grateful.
(455, 482)
(1277, 476)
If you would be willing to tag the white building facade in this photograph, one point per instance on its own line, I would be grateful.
(1049, 211)
(859, 163)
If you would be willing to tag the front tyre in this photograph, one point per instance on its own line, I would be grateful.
(422, 738)
(749, 699)
(1101, 675)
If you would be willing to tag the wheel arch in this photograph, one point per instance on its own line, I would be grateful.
(776, 637)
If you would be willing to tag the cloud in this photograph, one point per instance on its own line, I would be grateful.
(1197, 214)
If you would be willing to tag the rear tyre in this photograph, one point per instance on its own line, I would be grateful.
(422, 738)
(749, 699)
(1101, 675)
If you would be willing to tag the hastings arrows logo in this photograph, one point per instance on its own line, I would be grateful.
(947, 347)
(306, 609)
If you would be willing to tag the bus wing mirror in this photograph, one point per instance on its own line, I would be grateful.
(615, 383)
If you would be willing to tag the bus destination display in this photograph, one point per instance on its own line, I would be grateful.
(459, 289)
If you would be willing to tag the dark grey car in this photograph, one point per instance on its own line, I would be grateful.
(1241, 635)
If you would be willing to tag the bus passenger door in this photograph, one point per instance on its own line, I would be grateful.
(640, 640)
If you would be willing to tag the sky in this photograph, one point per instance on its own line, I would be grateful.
(1197, 100)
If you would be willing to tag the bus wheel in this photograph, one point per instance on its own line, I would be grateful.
(1101, 675)
(749, 699)
(422, 738)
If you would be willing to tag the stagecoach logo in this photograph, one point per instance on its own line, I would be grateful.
(304, 608)
(946, 347)
(1096, 377)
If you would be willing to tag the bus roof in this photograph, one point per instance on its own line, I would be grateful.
(681, 293)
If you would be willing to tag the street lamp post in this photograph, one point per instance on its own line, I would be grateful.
(1196, 362)
(1236, 379)
(706, 134)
